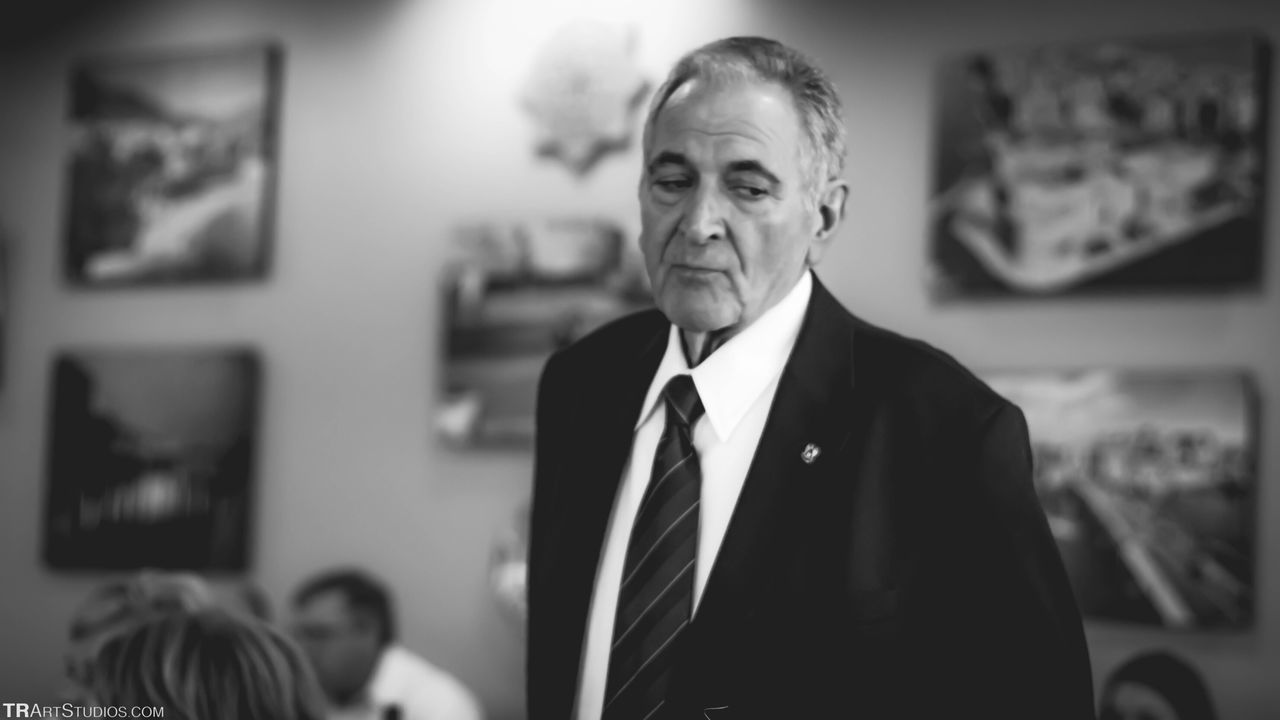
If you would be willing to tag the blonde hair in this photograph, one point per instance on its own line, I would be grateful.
(120, 603)
(207, 665)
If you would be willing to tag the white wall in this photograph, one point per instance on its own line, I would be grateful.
(400, 119)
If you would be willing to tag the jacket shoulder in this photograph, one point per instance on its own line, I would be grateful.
(923, 376)
(617, 340)
(588, 369)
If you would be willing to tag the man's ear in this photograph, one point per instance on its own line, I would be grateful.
(828, 216)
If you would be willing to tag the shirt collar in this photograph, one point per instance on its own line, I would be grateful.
(730, 380)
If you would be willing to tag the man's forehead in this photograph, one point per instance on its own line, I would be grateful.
(742, 120)
(330, 603)
(731, 90)
(686, 90)
(704, 96)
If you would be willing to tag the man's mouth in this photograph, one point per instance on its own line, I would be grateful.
(694, 269)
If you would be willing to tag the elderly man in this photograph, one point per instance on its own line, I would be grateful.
(750, 503)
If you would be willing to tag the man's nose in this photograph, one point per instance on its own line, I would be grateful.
(704, 220)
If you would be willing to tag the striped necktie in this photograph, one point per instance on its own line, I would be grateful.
(655, 601)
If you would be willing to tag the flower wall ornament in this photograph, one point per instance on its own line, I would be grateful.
(583, 90)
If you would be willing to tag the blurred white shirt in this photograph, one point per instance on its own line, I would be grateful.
(421, 690)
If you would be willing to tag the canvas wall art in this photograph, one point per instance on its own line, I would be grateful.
(1149, 482)
(151, 458)
(1109, 167)
(517, 292)
(172, 167)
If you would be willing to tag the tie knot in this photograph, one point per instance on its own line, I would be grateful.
(683, 401)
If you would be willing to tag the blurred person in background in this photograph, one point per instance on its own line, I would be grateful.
(119, 605)
(749, 503)
(1156, 685)
(210, 664)
(345, 622)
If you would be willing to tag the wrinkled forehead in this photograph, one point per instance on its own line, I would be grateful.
(728, 118)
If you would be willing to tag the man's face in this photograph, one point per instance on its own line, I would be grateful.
(726, 228)
(343, 646)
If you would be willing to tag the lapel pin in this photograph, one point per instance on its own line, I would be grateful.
(810, 453)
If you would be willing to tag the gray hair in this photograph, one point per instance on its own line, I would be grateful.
(763, 59)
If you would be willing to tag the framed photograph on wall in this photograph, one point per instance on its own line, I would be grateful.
(1099, 168)
(517, 292)
(151, 458)
(1149, 481)
(172, 167)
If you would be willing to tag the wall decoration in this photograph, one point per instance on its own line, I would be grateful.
(517, 292)
(1149, 482)
(583, 91)
(172, 168)
(151, 458)
(1101, 168)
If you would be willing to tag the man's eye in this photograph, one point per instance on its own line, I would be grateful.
(671, 184)
(751, 192)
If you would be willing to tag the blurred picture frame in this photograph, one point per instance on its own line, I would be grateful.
(1101, 168)
(172, 166)
(151, 458)
(1149, 480)
(514, 293)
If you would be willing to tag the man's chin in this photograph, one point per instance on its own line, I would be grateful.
(698, 308)
(699, 320)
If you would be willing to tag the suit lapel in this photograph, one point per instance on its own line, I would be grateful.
(811, 412)
(813, 405)
(605, 429)
(812, 409)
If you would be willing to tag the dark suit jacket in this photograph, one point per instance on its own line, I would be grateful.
(908, 572)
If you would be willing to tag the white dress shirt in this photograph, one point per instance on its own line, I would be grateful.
(736, 384)
(421, 690)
